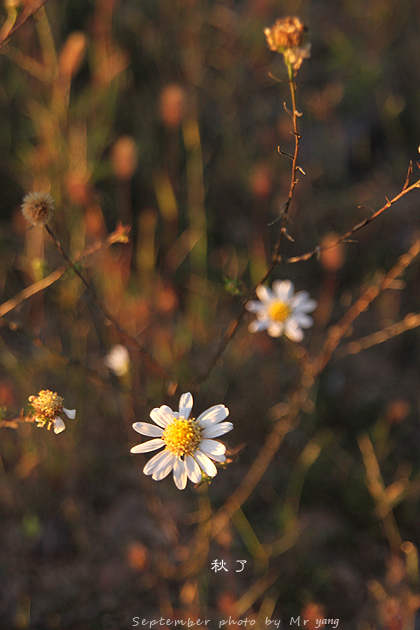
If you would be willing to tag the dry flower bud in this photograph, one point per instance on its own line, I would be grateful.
(38, 207)
(72, 53)
(397, 411)
(124, 157)
(172, 105)
(285, 33)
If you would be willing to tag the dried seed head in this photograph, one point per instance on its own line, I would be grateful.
(38, 207)
(285, 33)
(286, 37)
(47, 405)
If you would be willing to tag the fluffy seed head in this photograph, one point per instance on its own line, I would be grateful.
(38, 207)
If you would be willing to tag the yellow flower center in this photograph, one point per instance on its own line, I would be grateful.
(182, 436)
(279, 311)
(47, 404)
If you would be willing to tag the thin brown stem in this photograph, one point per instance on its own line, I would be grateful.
(337, 332)
(410, 321)
(119, 236)
(94, 375)
(310, 372)
(341, 239)
(234, 325)
(149, 360)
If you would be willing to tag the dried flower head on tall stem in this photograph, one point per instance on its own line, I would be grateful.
(287, 36)
(38, 207)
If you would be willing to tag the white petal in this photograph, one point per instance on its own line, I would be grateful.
(257, 326)
(212, 447)
(275, 329)
(308, 306)
(164, 466)
(185, 405)
(118, 360)
(147, 429)
(254, 306)
(180, 474)
(162, 415)
(193, 469)
(218, 458)
(293, 331)
(70, 413)
(213, 415)
(205, 463)
(263, 316)
(58, 425)
(217, 430)
(283, 289)
(154, 463)
(302, 302)
(304, 321)
(146, 447)
(264, 293)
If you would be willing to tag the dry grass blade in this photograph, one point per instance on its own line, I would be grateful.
(29, 9)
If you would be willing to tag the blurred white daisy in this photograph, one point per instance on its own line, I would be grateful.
(47, 405)
(118, 360)
(188, 447)
(281, 310)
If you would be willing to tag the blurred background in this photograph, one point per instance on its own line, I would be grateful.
(166, 116)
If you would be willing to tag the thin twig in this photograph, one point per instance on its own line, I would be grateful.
(288, 421)
(149, 359)
(376, 488)
(337, 332)
(119, 236)
(282, 426)
(410, 321)
(90, 372)
(276, 256)
(265, 455)
(345, 237)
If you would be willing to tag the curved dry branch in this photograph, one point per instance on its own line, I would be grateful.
(337, 332)
(120, 235)
(410, 321)
(283, 218)
(150, 361)
(342, 239)
(11, 27)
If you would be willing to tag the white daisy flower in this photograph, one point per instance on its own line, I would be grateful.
(281, 310)
(118, 360)
(188, 447)
(47, 405)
